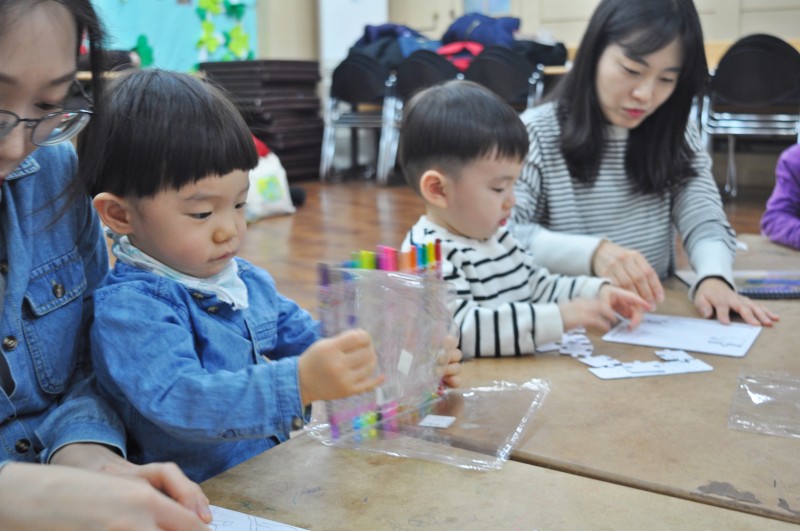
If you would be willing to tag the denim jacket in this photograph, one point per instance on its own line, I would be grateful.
(195, 381)
(53, 265)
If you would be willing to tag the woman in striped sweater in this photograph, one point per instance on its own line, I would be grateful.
(615, 167)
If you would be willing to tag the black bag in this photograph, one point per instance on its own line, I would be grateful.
(538, 53)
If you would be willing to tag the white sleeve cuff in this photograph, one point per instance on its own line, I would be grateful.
(548, 327)
(560, 252)
(711, 259)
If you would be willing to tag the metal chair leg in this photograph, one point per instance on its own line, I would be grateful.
(730, 179)
(328, 142)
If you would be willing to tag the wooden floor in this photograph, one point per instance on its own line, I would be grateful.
(337, 219)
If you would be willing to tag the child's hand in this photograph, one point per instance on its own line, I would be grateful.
(337, 367)
(599, 313)
(452, 361)
(591, 313)
(626, 303)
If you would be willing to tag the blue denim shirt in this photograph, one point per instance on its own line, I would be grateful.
(194, 381)
(53, 264)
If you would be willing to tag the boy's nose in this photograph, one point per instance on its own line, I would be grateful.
(225, 232)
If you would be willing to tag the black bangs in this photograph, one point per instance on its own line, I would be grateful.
(163, 130)
(450, 125)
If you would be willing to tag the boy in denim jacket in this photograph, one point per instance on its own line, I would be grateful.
(207, 364)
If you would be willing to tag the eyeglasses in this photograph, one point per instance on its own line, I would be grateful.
(50, 129)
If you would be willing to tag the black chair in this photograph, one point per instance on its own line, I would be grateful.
(754, 91)
(421, 69)
(507, 73)
(358, 88)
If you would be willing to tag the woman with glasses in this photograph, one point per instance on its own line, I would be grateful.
(52, 255)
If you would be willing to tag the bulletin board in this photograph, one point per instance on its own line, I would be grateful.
(179, 34)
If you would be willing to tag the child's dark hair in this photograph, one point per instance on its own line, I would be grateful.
(448, 126)
(658, 157)
(162, 130)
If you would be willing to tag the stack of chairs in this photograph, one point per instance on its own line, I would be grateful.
(358, 89)
(509, 74)
(278, 99)
(421, 69)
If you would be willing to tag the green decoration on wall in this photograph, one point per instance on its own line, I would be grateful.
(237, 42)
(235, 9)
(144, 50)
(215, 7)
(208, 38)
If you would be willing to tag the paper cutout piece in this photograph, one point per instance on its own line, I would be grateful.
(228, 520)
(673, 367)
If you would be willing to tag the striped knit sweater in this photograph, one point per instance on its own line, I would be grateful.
(504, 304)
(562, 222)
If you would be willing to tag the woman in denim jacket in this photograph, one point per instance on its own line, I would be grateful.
(52, 255)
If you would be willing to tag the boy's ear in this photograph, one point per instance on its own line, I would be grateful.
(114, 211)
(433, 186)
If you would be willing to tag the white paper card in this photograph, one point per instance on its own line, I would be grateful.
(673, 367)
(437, 421)
(228, 520)
(547, 347)
(687, 333)
(674, 355)
(404, 363)
(599, 361)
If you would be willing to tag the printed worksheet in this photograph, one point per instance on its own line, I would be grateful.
(687, 333)
(228, 520)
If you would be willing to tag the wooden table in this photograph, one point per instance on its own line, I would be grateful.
(307, 484)
(667, 434)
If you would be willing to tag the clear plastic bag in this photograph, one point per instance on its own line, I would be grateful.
(767, 402)
(409, 414)
(487, 422)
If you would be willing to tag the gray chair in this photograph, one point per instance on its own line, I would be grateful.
(358, 89)
(421, 69)
(509, 74)
(754, 91)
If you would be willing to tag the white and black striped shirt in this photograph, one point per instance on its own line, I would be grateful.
(562, 221)
(504, 304)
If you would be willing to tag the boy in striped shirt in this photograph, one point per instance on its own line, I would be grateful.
(462, 149)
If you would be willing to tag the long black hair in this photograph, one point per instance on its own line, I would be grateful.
(162, 130)
(658, 157)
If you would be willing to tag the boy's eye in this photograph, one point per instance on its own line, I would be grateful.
(241, 205)
(499, 190)
(200, 215)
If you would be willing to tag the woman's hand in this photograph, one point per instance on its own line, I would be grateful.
(715, 296)
(627, 269)
(164, 477)
(34, 497)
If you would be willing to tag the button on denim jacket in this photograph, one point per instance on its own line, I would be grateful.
(194, 381)
(54, 263)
